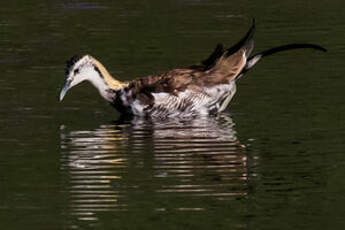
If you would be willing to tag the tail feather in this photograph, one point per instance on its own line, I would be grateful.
(257, 57)
(247, 45)
(291, 47)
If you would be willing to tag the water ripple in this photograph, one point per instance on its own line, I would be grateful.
(198, 158)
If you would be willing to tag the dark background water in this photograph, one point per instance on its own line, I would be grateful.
(274, 160)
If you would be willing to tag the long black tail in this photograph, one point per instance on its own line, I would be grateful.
(255, 58)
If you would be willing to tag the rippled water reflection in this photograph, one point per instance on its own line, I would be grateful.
(64, 166)
(182, 159)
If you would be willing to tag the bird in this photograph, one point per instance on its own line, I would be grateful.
(202, 89)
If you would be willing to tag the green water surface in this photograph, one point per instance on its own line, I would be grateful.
(274, 160)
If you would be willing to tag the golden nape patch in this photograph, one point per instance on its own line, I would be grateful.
(111, 82)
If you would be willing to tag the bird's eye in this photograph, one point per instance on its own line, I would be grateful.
(76, 71)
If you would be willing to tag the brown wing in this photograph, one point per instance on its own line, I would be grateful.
(178, 80)
(211, 60)
(172, 82)
(226, 69)
(220, 67)
(246, 43)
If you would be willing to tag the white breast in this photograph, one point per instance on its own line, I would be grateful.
(185, 103)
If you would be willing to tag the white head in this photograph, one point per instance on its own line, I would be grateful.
(82, 68)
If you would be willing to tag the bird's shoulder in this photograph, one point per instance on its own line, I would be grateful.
(173, 81)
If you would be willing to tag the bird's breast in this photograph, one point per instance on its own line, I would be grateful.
(188, 102)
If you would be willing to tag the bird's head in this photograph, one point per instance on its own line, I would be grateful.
(86, 68)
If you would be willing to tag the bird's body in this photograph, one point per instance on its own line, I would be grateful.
(197, 90)
(165, 99)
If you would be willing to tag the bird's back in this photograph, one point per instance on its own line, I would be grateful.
(184, 92)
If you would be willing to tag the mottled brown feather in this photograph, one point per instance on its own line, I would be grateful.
(178, 80)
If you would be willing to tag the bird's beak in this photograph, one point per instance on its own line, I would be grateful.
(65, 89)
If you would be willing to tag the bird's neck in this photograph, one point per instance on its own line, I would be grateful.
(105, 83)
(103, 89)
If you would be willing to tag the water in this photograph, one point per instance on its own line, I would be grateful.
(273, 160)
(178, 164)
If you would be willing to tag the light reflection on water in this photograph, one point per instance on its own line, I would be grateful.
(197, 158)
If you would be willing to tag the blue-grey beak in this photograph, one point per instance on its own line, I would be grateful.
(65, 89)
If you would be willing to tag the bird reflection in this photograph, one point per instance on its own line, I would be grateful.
(108, 168)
